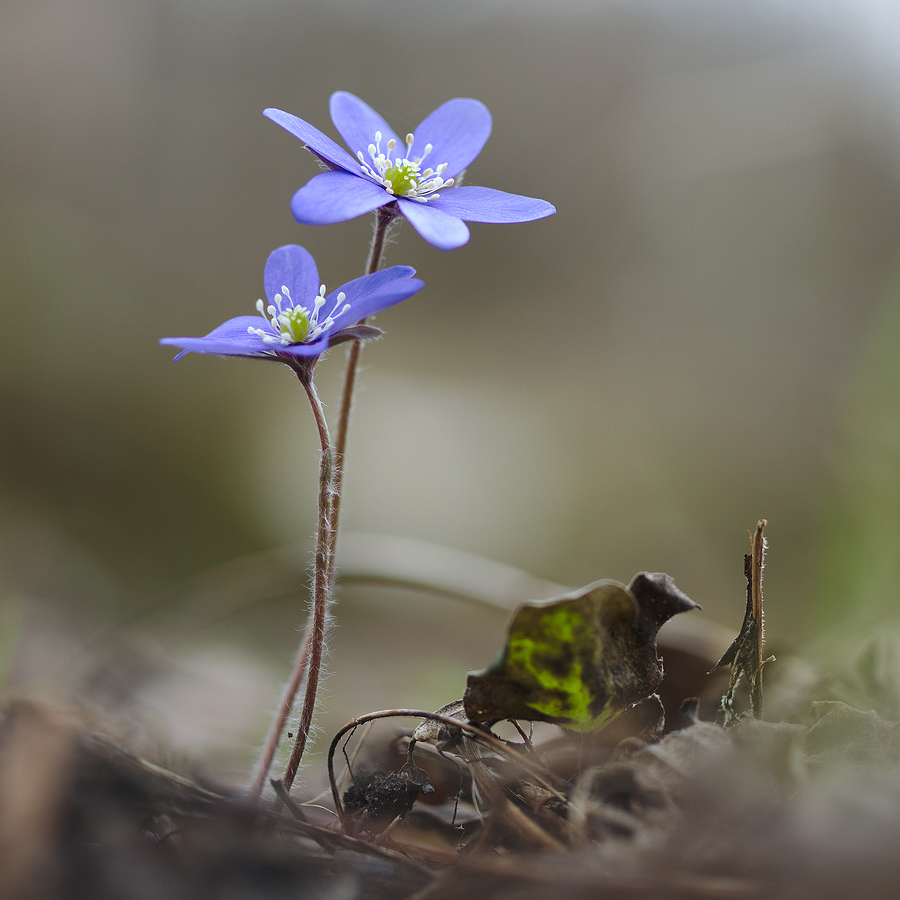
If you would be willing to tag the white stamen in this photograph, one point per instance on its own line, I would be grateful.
(284, 317)
(403, 175)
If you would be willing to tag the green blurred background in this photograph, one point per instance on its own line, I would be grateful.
(705, 334)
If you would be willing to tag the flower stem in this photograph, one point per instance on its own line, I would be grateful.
(309, 657)
(322, 582)
(270, 747)
(383, 218)
(308, 662)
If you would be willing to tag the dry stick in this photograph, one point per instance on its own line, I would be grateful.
(745, 655)
(757, 561)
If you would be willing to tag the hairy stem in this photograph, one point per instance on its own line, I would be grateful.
(322, 583)
(270, 747)
(308, 662)
(383, 218)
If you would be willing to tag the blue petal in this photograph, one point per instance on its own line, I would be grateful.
(481, 204)
(444, 231)
(373, 293)
(316, 348)
(322, 145)
(357, 123)
(458, 130)
(231, 338)
(361, 287)
(336, 197)
(294, 268)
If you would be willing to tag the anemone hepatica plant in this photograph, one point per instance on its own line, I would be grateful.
(300, 322)
(416, 177)
(297, 325)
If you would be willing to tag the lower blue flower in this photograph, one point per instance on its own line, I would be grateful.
(301, 321)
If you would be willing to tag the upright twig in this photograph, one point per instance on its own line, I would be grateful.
(754, 591)
(745, 655)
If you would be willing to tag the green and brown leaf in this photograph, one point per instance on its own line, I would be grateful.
(579, 660)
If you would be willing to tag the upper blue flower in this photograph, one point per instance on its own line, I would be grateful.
(300, 321)
(386, 170)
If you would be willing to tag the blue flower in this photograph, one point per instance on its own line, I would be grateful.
(386, 170)
(300, 322)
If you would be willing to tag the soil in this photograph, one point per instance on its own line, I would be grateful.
(804, 804)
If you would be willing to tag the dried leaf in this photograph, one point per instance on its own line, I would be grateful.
(580, 659)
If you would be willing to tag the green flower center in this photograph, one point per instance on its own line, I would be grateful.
(290, 323)
(403, 176)
(294, 325)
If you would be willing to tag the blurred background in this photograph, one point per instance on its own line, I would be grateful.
(705, 334)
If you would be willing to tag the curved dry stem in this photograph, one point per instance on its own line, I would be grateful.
(540, 775)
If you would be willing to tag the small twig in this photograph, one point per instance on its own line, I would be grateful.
(334, 839)
(527, 827)
(352, 758)
(754, 588)
(293, 807)
(296, 811)
(745, 655)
